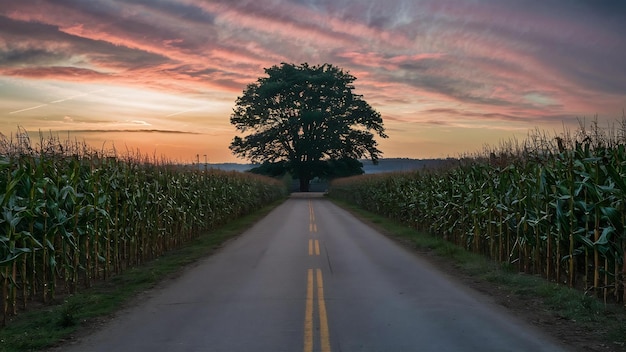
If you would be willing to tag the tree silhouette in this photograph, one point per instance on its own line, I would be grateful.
(306, 118)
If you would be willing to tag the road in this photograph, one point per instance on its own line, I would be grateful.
(311, 277)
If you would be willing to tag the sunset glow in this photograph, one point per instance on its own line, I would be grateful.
(447, 76)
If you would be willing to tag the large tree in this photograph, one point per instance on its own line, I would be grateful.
(306, 118)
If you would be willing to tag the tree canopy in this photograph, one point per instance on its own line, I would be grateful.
(306, 118)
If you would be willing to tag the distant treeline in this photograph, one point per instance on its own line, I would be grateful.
(384, 165)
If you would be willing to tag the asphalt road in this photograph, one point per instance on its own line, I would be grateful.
(311, 277)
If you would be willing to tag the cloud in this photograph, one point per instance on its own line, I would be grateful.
(57, 101)
(30, 56)
(57, 72)
(458, 115)
(224, 45)
(496, 61)
(82, 131)
(27, 42)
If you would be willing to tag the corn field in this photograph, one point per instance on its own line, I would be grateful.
(71, 215)
(549, 206)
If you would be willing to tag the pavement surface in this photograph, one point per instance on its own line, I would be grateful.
(311, 277)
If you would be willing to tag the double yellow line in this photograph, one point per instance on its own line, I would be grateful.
(312, 224)
(308, 316)
(314, 247)
(315, 284)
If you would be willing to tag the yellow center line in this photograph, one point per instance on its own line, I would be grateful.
(312, 225)
(314, 247)
(308, 315)
(324, 335)
(324, 344)
(311, 212)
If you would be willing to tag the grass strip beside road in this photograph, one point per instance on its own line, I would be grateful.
(52, 325)
(577, 319)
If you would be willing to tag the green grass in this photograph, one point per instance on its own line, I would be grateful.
(50, 325)
(589, 313)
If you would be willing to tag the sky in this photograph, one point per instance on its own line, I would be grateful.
(449, 77)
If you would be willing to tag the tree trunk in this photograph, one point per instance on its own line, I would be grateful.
(304, 184)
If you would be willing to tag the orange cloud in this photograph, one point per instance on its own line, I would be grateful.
(436, 63)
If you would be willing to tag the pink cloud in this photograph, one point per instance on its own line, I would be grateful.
(459, 61)
(63, 73)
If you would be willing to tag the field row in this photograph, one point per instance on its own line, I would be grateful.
(68, 219)
(559, 212)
